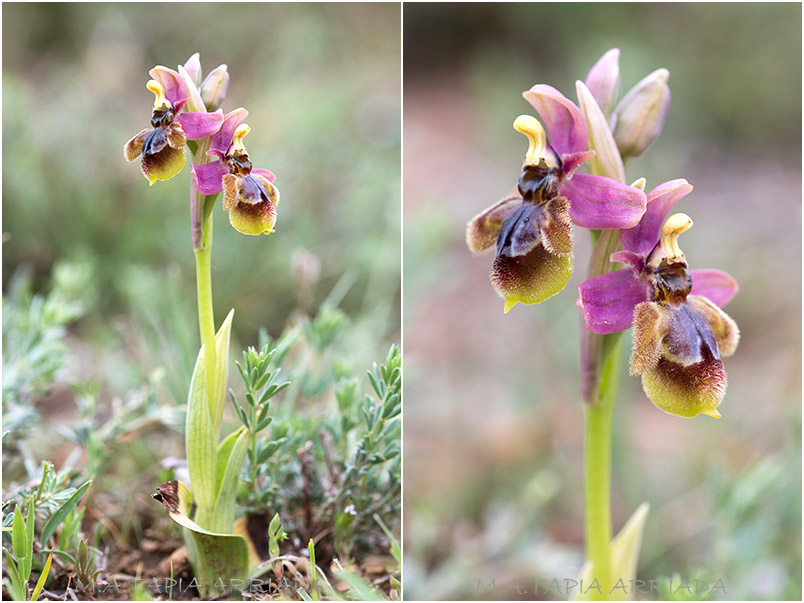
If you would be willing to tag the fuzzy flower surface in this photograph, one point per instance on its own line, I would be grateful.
(680, 332)
(532, 227)
(162, 145)
(250, 196)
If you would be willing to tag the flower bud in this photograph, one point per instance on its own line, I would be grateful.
(213, 88)
(640, 115)
(603, 80)
(193, 68)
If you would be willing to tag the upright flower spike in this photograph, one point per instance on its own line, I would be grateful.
(680, 333)
(250, 196)
(162, 145)
(531, 228)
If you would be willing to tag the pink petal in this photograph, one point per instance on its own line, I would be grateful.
(603, 80)
(600, 202)
(718, 286)
(661, 199)
(607, 301)
(208, 177)
(174, 85)
(193, 68)
(630, 258)
(220, 142)
(571, 162)
(267, 174)
(607, 161)
(200, 125)
(565, 122)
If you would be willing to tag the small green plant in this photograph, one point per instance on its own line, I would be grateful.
(86, 569)
(20, 563)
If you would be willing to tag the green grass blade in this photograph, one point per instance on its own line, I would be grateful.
(30, 520)
(17, 588)
(396, 550)
(40, 584)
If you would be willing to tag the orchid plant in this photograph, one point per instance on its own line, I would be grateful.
(186, 113)
(680, 332)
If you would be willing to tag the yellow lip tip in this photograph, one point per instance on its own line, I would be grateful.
(508, 305)
(158, 91)
(537, 140)
(712, 413)
(527, 124)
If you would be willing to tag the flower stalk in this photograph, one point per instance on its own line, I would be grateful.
(600, 371)
(597, 468)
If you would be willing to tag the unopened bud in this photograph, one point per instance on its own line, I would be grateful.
(603, 80)
(193, 68)
(640, 115)
(213, 88)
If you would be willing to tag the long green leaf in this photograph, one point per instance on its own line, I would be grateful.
(40, 584)
(218, 401)
(56, 519)
(30, 520)
(22, 548)
(18, 588)
(218, 556)
(223, 516)
(200, 442)
(222, 457)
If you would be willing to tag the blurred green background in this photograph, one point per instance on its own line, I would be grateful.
(321, 83)
(493, 424)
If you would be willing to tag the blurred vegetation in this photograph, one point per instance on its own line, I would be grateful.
(493, 484)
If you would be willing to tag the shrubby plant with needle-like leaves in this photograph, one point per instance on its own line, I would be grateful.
(680, 333)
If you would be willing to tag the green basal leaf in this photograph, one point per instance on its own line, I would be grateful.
(218, 401)
(626, 545)
(222, 458)
(200, 443)
(218, 556)
(223, 516)
(624, 553)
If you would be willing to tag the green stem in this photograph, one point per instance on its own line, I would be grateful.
(597, 469)
(206, 317)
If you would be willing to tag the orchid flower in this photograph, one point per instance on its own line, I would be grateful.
(162, 145)
(250, 196)
(531, 227)
(680, 333)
